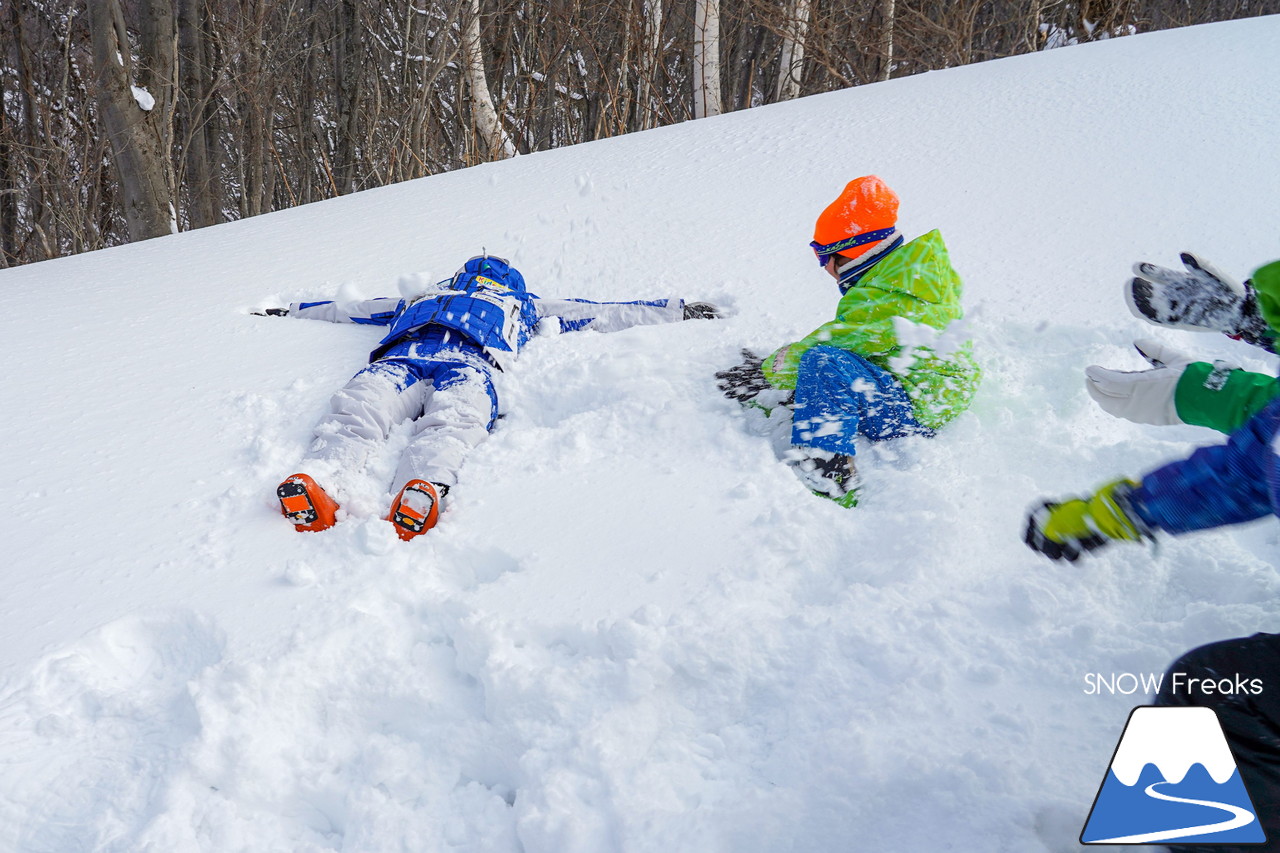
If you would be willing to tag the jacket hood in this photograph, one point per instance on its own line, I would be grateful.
(495, 269)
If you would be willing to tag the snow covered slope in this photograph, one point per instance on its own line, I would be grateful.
(633, 629)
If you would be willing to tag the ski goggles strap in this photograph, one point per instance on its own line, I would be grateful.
(824, 251)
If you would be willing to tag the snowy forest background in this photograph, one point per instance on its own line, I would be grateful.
(128, 119)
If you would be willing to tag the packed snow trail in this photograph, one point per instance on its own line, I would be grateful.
(632, 630)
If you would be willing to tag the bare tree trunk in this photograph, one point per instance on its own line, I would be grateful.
(256, 110)
(349, 49)
(1032, 37)
(791, 63)
(706, 59)
(158, 76)
(138, 119)
(310, 137)
(745, 95)
(202, 179)
(35, 194)
(493, 136)
(888, 15)
(8, 200)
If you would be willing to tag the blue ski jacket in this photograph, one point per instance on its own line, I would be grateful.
(487, 303)
(1216, 485)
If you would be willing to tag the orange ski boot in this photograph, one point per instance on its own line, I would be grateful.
(306, 504)
(416, 509)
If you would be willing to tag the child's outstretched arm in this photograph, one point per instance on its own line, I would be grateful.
(578, 314)
(1215, 486)
(365, 312)
(1177, 389)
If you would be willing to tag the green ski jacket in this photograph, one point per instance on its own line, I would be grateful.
(896, 317)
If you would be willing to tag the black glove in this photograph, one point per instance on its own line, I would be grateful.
(744, 381)
(1198, 297)
(701, 311)
(271, 312)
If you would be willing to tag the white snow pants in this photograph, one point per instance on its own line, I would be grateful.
(448, 395)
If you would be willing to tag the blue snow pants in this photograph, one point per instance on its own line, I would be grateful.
(841, 395)
(440, 381)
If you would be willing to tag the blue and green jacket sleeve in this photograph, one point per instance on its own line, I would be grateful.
(1221, 484)
(1222, 399)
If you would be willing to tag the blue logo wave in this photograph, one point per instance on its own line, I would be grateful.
(1154, 810)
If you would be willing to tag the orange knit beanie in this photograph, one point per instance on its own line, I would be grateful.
(865, 208)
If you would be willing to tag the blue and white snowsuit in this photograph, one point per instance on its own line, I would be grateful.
(436, 364)
(1219, 484)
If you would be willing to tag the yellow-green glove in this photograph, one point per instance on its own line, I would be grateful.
(1063, 530)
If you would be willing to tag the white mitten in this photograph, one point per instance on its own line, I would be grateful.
(1141, 396)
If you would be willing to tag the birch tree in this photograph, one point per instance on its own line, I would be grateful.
(888, 16)
(706, 59)
(483, 112)
(650, 30)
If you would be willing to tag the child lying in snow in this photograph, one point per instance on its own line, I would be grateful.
(857, 375)
(436, 367)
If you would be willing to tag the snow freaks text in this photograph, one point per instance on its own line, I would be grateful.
(1179, 683)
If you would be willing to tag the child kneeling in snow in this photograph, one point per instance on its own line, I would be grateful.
(435, 367)
(855, 376)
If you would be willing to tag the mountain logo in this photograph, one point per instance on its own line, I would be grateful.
(1172, 778)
